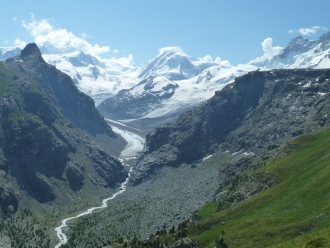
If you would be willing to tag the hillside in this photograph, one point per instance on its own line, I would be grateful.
(293, 213)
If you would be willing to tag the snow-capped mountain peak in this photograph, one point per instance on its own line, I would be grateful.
(173, 63)
(171, 50)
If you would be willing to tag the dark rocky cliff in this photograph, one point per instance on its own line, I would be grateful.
(50, 134)
(258, 111)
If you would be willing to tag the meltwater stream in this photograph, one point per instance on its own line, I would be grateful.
(60, 230)
(132, 149)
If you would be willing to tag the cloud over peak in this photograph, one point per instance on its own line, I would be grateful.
(60, 40)
(19, 43)
(307, 31)
(42, 31)
(270, 51)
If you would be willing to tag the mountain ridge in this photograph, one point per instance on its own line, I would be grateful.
(51, 136)
(242, 117)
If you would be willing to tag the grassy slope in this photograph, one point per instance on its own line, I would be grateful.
(295, 211)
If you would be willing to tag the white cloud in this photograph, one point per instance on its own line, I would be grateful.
(116, 51)
(208, 58)
(217, 60)
(42, 31)
(14, 18)
(19, 43)
(5, 41)
(171, 49)
(307, 31)
(270, 51)
(124, 61)
(84, 35)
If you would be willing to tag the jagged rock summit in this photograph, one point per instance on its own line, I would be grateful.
(30, 52)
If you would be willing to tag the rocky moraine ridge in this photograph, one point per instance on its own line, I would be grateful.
(52, 140)
(259, 111)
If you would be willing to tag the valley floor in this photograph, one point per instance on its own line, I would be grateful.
(168, 197)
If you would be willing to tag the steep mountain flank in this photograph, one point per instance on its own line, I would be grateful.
(292, 213)
(259, 111)
(51, 135)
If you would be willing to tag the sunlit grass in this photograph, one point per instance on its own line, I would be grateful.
(295, 208)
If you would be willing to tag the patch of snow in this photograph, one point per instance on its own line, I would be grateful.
(248, 154)
(236, 153)
(307, 85)
(207, 157)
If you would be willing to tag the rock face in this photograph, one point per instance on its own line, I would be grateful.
(50, 130)
(185, 243)
(257, 110)
(8, 200)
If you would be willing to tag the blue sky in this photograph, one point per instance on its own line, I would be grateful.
(232, 30)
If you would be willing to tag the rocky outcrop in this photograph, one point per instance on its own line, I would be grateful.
(260, 109)
(107, 167)
(185, 243)
(8, 200)
(74, 173)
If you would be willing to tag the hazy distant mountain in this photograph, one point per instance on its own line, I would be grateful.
(7, 52)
